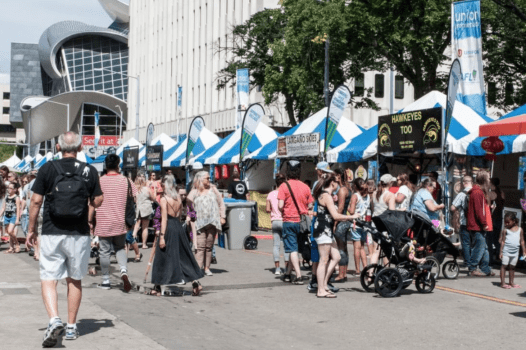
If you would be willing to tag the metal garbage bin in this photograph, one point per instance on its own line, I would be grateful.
(238, 216)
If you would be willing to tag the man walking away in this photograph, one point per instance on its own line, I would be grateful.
(237, 188)
(68, 185)
(460, 205)
(291, 216)
(111, 224)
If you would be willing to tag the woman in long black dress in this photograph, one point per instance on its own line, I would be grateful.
(174, 261)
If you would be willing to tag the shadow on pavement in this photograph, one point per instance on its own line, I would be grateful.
(217, 271)
(88, 326)
(519, 314)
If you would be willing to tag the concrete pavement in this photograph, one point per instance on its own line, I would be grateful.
(245, 306)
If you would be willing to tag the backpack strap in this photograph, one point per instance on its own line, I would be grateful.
(58, 168)
(80, 169)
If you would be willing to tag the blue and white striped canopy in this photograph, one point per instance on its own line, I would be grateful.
(227, 150)
(465, 122)
(361, 147)
(43, 160)
(346, 131)
(162, 139)
(12, 161)
(24, 164)
(512, 143)
(80, 156)
(206, 141)
(133, 143)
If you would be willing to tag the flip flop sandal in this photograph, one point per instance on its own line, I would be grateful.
(10, 251)
(138, 259)
(506, 286)
(515, 286)
(328, 296)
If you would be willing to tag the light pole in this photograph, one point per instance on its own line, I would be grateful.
(62, 104)
(138, 97)
(326, 75)
(120, 131)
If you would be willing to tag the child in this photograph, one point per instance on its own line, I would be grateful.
(510, 238)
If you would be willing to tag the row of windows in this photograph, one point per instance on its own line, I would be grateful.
(109, 122)
(379, 86)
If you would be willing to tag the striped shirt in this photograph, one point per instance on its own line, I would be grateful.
(110, 215)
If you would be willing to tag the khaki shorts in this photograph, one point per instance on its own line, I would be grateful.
(63, 256)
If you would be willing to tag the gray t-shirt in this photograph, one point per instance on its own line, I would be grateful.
(461, 203)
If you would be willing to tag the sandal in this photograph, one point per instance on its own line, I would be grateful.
(514, 286)
(506, 286)
(138, 259)
(17, 250)
(156, 290)
(9, 251)
(196, 288)
(328, 296)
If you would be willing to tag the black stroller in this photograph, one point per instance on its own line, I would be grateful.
(399, 273)
(434, 246)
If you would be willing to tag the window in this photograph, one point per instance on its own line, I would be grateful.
(7, 95)
(399, 87)
(379, 85)
(359, 85)
(5, 110)
(492, 93)
(508, 97)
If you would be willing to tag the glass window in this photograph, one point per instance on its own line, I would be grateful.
(5, 110)
(88, 130)
(78, 55)
(116, 62)
(88, 74)
(124, 60)
(117, 76)
(96, 58)
(98, 87)
(106, 64)
(98, 80)
(117, 83)
(379, 85)
(87, 60)
(109, 130)
(105, 56)
(88, 67)
(79, 76)
(359, 85)
(117, 91)
(399, 87)
(88, 87)
(6, 95)
(78, 62)
(97, 65)
(492, 93)
(108, 86)
(88, 81)
(107, 120)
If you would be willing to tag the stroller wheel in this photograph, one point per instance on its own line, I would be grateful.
(388, 282)
(435, 271)
(425, 284)
(450, 270)
(368, 276)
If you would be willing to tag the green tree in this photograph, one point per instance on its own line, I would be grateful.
(504, 43)
(7, 151)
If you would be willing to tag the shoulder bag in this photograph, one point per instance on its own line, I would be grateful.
(129, 216)
(305, 220)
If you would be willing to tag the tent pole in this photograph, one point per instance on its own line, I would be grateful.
(492, 166)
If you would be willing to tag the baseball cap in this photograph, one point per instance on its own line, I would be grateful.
(197, 166)
(324, 166)
(387, 178)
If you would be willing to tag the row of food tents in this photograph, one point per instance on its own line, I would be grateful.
(350, 143)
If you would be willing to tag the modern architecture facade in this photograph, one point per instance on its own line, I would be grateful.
(75, 72)
(7, 132)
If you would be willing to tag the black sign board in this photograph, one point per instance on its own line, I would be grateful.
(154, 158)
(410, 131)
(130, 158)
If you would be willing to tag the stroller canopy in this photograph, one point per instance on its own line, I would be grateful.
(395, 222)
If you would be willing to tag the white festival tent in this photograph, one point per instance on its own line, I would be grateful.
(206, 141)
(11, 162)
(346, 130)
(166, 141)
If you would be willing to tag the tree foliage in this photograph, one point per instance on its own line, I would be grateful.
(504, 43)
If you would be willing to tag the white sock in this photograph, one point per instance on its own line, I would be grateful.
(53, 319)
(74, 325)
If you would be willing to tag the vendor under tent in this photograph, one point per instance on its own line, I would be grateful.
(207, 140)
(346, 131)
(227, 150)
(11, 162)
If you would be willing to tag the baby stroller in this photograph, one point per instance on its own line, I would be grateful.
(399, 273)
(435, 246)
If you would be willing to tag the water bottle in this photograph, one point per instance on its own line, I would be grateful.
(368, 215)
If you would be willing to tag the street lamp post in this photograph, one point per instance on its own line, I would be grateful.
(138, 97)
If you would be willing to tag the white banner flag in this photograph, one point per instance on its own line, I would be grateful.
(467, 47)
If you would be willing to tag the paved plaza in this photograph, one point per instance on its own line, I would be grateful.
(245, 306)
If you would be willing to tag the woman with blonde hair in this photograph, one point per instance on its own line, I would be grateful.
(145, 197)
(211, 213)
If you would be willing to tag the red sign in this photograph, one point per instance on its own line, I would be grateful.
(89, 140)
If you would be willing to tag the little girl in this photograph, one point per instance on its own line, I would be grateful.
(510, 238)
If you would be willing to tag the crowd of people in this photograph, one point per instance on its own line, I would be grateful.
(66, 211)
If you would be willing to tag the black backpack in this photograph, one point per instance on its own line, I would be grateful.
(69, 196)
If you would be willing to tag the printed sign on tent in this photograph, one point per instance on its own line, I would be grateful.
(410, 131)
(154, 157)
(467, 47)
(340, 99)
(253, 117)
(130, 158)
(301, 145)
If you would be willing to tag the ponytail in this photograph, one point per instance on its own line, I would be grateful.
(323, 183)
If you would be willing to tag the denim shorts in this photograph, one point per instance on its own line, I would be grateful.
(359, 234)
(11, 220)
(129, 237)
(314, 253)
(291, 231)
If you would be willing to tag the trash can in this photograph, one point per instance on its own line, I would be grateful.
(238, 217)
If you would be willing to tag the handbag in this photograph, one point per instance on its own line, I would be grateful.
(129, 216)
(305, 221)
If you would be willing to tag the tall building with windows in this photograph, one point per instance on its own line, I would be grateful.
(75, 72)
(7, 132)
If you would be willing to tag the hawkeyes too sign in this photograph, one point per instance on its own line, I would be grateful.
(410, 131)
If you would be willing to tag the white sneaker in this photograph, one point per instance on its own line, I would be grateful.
(278, 271)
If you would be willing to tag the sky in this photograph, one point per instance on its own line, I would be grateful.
(24, 21)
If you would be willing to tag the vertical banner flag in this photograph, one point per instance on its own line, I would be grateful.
(339, 100)
(179, 99)
(452, 90)
(251, 120)
(277, 167)
(97, 130)
(242, 87)
(467, 47)
(196, 127)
